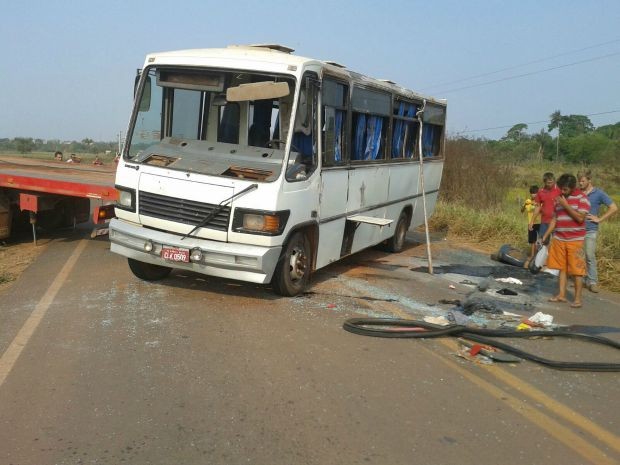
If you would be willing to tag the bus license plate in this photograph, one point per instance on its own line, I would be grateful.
(175, 255)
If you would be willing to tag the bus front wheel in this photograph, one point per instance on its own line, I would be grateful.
(293, 269)
(147, 271)
(397, 241)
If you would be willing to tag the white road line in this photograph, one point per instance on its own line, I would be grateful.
(10, 356)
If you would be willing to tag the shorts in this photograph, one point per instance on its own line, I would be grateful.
(568, 256)
(532, 236)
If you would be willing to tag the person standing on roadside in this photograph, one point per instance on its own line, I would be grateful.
(545, 203)
(569, 231)
(532, 233)
(597, 198)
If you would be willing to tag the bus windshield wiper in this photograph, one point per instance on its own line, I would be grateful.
(219, 208)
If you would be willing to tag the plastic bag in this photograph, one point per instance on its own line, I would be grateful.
(541, 256)
(539, 260)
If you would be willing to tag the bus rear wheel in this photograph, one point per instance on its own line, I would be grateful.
(293, 269)
(148, 271)
(397, 241)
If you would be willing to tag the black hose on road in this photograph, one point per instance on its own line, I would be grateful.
(393, 328)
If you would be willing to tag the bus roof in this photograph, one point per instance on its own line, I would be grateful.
(271, 58)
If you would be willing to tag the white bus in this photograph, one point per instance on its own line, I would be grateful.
(254, 164)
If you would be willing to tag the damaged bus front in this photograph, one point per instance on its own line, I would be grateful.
(219, 150)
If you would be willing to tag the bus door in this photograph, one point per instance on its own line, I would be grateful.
(334, 171)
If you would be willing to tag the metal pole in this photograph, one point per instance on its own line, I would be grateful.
(33, 222)
(421, 184)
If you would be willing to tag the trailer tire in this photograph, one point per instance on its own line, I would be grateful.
(148, 271)
(293, 268)
(396, 243)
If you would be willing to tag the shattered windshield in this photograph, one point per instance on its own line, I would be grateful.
(226, 123)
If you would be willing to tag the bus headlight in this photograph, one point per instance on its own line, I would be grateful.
(126, 198)
(260, 222)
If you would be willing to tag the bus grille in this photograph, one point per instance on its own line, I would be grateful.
(182, 210)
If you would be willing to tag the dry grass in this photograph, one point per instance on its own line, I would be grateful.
(608, 255)
(472, 178)
(490, 227)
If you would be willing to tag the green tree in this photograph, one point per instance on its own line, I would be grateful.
(24, 144)
(576, 125)
(611, 131)
(516, 133)
(554, 123)
(587, 148)
(541, 138)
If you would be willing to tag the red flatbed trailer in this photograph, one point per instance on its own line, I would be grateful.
(57, 190)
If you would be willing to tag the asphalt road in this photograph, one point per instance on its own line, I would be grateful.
(98, 367)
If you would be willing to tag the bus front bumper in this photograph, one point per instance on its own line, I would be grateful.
(243, 262)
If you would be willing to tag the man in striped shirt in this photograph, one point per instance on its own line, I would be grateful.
(569, 231)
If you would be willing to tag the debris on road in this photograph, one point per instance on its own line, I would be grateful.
(488, 351)
(509, 280)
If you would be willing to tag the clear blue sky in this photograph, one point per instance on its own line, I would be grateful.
(67, 68)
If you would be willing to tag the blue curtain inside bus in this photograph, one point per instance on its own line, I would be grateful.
(373, 137)
(303, 143)
(338, 136)
(397, 139)
(400, 130)
(429, 132)
(367, 138)
(359, 141)
(410, 113)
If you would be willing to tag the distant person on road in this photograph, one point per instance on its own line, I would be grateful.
(597, 198)
(58, 155)
(74, 159)
(97, 160)
(569, 231)
(529, 206)
(545, 203)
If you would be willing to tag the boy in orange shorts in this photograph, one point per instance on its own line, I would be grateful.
(569, 231)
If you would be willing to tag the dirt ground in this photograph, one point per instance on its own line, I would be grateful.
(15, 257)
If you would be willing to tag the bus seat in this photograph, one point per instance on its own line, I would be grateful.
(258, 136)
(303, 142)
(228, 130)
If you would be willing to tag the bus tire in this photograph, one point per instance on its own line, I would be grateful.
(397, 241)
(292, 271)
(148, 271)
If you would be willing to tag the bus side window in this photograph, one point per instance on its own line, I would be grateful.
(371, 111)
(434, 121)
(334, 120)
(405, 131)
(431, 140)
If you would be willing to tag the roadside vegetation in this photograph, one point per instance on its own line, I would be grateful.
(39, 148)
(485, 182)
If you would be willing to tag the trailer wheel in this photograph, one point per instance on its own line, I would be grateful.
(147, 271)
(293, 268)
(397, 241)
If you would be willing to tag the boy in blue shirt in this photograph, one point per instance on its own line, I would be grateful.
(597, 197)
